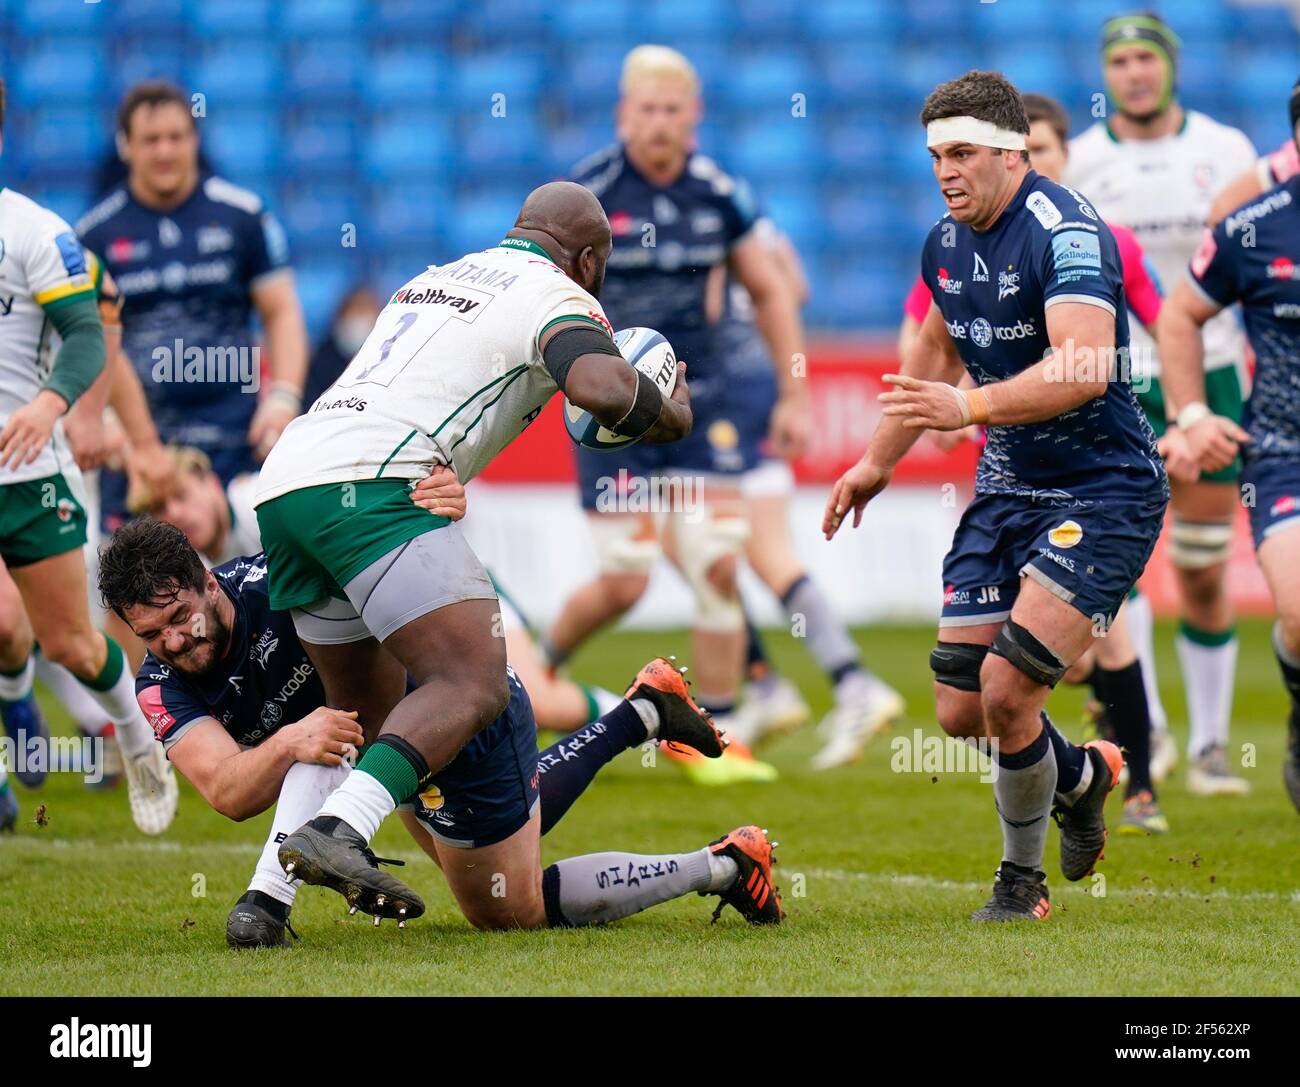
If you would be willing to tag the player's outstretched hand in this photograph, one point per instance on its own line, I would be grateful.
(441, 492)
(853, 490)
(1179, 461)
(29, 429)
(325, 736)
(933, 404)
(1214, 441)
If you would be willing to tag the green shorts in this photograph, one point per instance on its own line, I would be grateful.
(40, 518)
(317, 539)
(1223, 396)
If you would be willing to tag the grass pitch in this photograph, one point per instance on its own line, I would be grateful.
(880, 871)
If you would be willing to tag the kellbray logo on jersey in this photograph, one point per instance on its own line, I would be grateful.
(1008, 283)
(980, 273)
(1047, 213)
(1066, 535)
(434, 296)
(949, 285)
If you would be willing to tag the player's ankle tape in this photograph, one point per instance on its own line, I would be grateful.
(396, 765)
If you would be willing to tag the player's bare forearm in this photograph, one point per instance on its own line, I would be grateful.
(1182, 354)
(930, 355)
(238, 784)
(126, 398)
(1078, 369)
(776, 311)
(607, 387)
(286, 332)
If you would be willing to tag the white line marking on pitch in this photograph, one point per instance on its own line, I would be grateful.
(896, 879)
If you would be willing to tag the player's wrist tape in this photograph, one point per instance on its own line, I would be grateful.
(1191, 414)
(645, 409)
(973, 404)
(286, 394)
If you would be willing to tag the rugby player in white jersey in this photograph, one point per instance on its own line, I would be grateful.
(52, 349)
(1156, 167)
(462, 359)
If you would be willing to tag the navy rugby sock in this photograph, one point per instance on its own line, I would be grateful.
(566, 768)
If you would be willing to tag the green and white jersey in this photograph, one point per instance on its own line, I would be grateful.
(1162, 191)
(450, 374)
(42, 267)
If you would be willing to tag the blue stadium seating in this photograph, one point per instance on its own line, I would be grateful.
(379, 112)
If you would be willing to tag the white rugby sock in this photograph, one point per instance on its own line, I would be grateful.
(362, 801)
(601, 887)
(306, 787)
(1141, 624)
(16, 687)
(1208, 674)
(68, 689)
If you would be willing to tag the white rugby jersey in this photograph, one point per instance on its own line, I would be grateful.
(41, 264)
(1162, 191)
(450, 374)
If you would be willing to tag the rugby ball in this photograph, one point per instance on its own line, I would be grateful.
(647, 351)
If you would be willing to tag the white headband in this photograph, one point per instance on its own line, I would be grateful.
(972, 130)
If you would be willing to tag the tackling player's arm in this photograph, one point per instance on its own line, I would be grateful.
(776, 314)
(240, 783)
(589, 369)
(277, 303)
(1077, 370)
(1212, 440)
(932, 361)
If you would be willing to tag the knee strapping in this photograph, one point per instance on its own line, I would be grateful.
(1018, 647)
(623, 545)
(957, 664)
(1194, 545)
(702, 540)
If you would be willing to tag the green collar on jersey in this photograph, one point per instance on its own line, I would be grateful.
(1115, 139)
(526, 245)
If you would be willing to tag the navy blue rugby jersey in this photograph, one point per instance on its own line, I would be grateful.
(265, 680)
(994, 288)
(666, 240)
(1253, 257)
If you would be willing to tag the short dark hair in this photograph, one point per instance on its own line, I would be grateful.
(154, 92)
(1039, 107)
(986, 96)
(148, 562)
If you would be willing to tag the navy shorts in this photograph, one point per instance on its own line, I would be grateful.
(731, 420)
(1271, 487)
(1090, 556)
(490, 789)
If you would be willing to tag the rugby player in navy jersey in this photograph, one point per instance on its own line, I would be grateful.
(1070, 493)
(1253, 257)
(240, 710)
(675, 215)
(194, 257)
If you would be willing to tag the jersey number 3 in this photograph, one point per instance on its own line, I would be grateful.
(382, 357)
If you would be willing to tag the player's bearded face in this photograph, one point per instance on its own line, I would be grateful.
(971, 179)
(657, 119)
(186, 633)
(163, 148)
(1136, 80)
